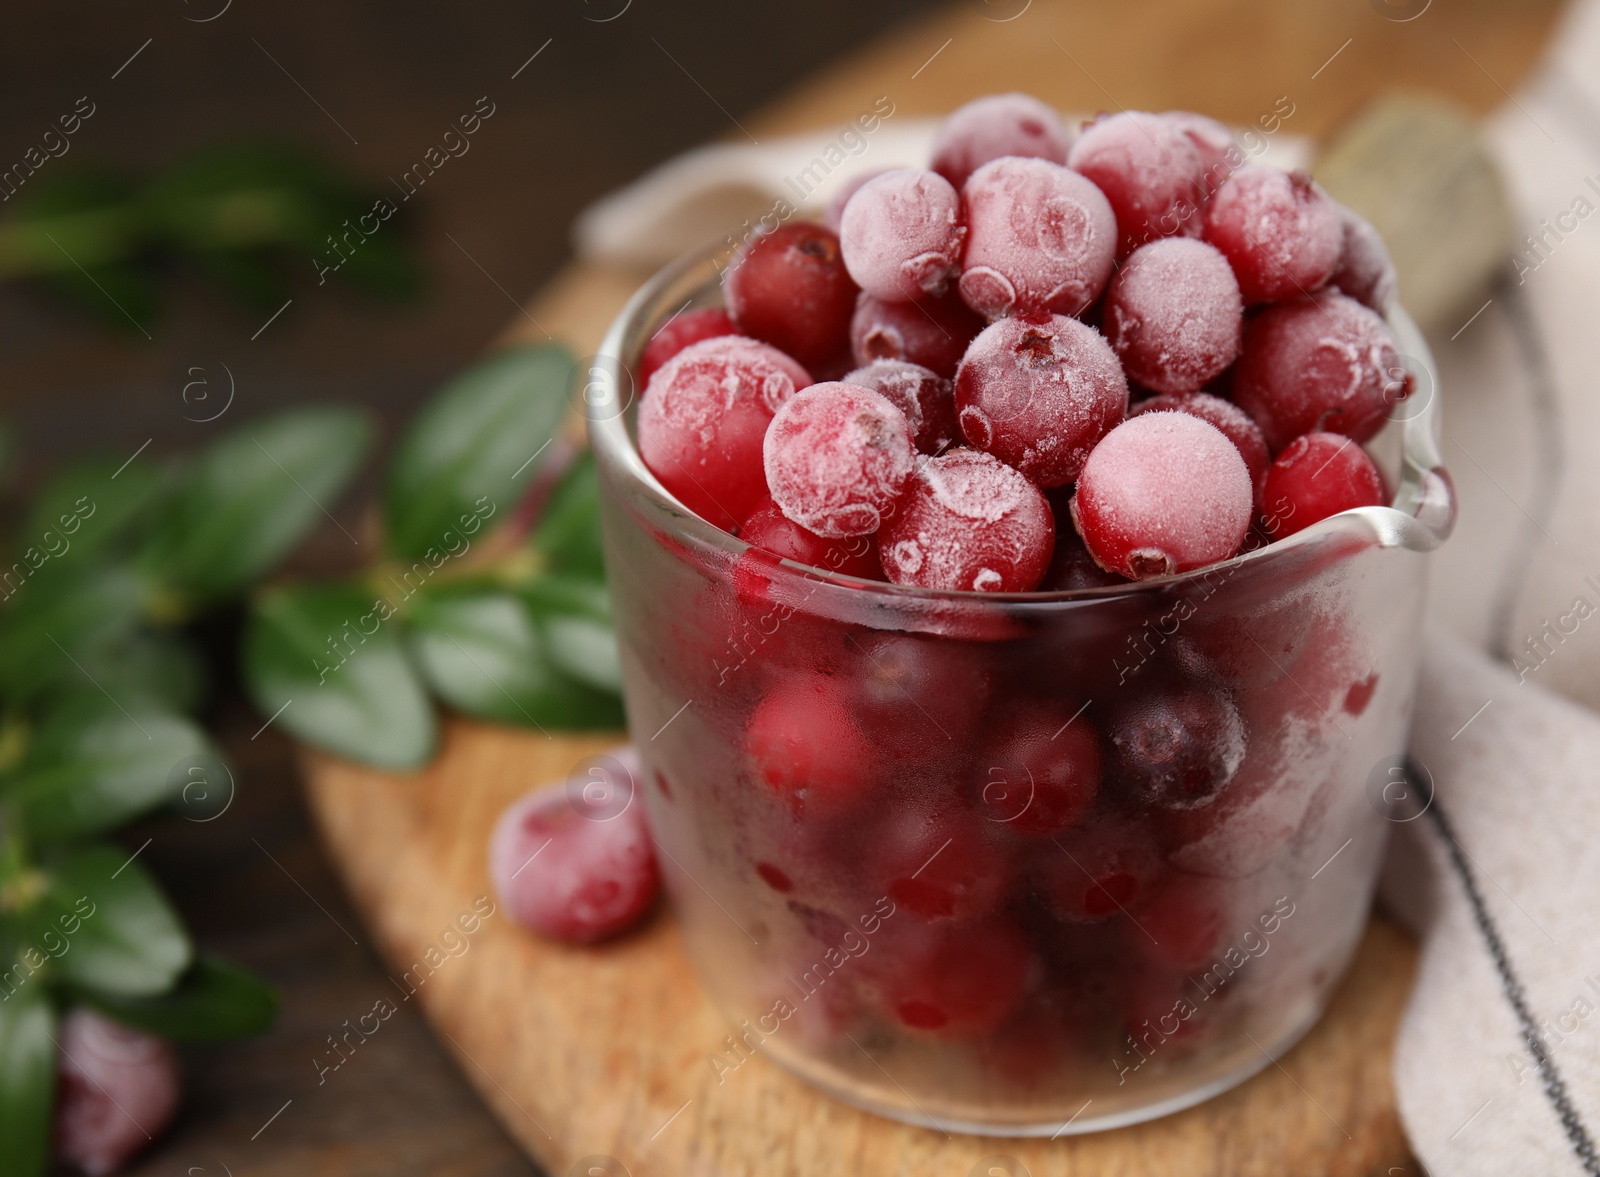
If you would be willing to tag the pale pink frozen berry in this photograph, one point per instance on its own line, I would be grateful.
(969, 522)
(118, 1088)
(834, 213)
(926, 399)
(1039, 393)
(1365, 272)
(1174, 315)
(1149, 170)
(1279, 230)
(1163, 493)
(703, 418)
(1040, 238)
(1000, 124)
(1236, 424)
(1218, 149)
(902, 233)
(836, 457)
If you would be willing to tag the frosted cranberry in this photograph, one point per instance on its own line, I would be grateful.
(1365, 272)
(919, 697)
(1318, 475)
(938, 865)
(704, 418)
(1219, 153)
(901, 234)
(569, 873)
(1177, 748)
(789, 287)
(960, 982)
(1097, 870)
(932, 332)
(1173, 315)
(1183, 924)
(117, 1088)
(835, 210)
(1148, 169)
(1163, 493)
(1040, 772)
(1040, 237)
(968, 522)
(1279, 230)
(926, 399)
(678, 333)
(1320, 363)
(1235, 423)
(1039, 393)
(770, 530)
(836, 456)
(803, 745)
(999, 124)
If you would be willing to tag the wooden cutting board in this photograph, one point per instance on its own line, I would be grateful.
(602, 1053)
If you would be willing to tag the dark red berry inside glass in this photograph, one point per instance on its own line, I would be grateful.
(1365, 272)
(116, 1089)
(1184, 923)
(901, 234)
(1103, 867)
(927, 400)
(919, 697)
(770, 530)
(1148, 169)
(1322, 363)
(999, 124)
(1039, 394)
(704, 418)
(803, 746)
(1163, 493)
(1318, 475)
(1040, 238)
(938, 865)
(1173, 315)
(1280, 231)
(1040, 771)
(1236, 424)
(572, 873)
(1176, 748)
(789, 287)
(678, 333)
(960, 982)
(931, 332)
(968, 522)
(836, 456)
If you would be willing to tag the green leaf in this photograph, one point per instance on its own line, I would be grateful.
(118, 933)
(140, 669)
(569, 535)
(469, 449)
(483, 652)
(573, 619)
(58, 613)
(91, 766)
(27, 1081)
(214, 1001)
(251, 497)
(87, 505)
(332, 662)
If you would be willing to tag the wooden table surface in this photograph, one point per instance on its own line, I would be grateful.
(257, 885)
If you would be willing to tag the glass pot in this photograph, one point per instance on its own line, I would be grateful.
(932, 915)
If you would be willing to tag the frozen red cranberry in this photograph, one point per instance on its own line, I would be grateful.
(1040, 237)
(918, 697)
(901, 234)
(1183, 924)
(1039, 394)
(1318, 475)
(835, 210)
(572, 871)
(938, 865)
(926, 399)
(1071, 565)
(1177, 748)
(117, 1088)
(1174, 315)
(803, 745)
(789, 287)
(1235, 423)
(959, 982)
(678, 333)
(1219, 153)
(1320, 363)
(1280, 231)
(1149, 170)
(999, 124)
(1097, 870)
(932, 332)
(968, 522)
(1365, 272)
(703, 420)
(836, 456)
(1040, 772)
(1163, 493)
(767, 528)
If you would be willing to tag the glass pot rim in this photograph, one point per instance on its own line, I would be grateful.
(1420, 516)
